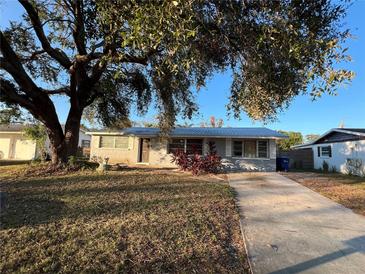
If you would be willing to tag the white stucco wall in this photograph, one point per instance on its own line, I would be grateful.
(340, 152)
(14, 146)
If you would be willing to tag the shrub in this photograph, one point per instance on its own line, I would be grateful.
(325, 166)
(334, 169)
(355, 167)
(196, 163)
(181, 159)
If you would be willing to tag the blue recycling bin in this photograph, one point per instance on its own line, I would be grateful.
(282, 164)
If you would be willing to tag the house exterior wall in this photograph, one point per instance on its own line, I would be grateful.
(83, 136)
(158, 155)
(14, 146)
(249, 164)
(299, 158)
(341, 151)
(115, 155)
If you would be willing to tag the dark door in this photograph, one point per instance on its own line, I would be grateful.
(144, 150)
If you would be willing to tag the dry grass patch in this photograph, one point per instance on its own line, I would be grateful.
(344, 189)
(130, 221)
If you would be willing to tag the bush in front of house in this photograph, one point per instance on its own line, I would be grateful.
(196, 163)
(325, 167)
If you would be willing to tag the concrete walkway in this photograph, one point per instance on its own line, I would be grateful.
(289, 228)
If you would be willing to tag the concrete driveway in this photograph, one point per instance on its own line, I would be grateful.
(289, 228)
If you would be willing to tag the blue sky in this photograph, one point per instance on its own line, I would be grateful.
(303, 115)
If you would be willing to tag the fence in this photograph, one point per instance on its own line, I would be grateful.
(299, 159)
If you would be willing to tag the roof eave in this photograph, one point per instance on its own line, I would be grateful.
(12, 132)
(182, 136)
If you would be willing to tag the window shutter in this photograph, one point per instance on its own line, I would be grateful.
(330, 151)
(319, 151)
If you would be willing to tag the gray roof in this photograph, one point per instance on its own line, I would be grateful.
(355, 130)
(248, 132)
(351, 131)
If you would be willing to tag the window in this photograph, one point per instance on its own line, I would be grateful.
(262, 148)
(189, 146)
(325, 151)
(250, 149)
(194, 146)
(176, 144)
(113, 142)
(121, 142)
(85, 143)
(237, 148)
(106, 141)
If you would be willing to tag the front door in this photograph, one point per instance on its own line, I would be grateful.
(144, 150)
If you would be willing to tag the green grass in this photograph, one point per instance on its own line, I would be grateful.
(131, 221)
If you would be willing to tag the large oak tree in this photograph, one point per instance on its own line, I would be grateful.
(108, 56)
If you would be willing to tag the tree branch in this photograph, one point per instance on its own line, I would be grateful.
(79, 31)
(63, 90)
(9, 93)
(52, 20)
(57, 54)
(44, 109)
(11, 63)
(33, 55)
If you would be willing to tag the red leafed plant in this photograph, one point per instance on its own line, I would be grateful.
(181, 159)
(196, 163)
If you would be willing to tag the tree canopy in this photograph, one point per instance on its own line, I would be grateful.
(294, 138)
(109, 57)
(311, 137)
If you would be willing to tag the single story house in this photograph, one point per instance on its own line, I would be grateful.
(240, 148)
(339, 149)
(15, 146)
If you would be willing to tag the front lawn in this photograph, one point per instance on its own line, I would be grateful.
(129, 221)
(344, 189)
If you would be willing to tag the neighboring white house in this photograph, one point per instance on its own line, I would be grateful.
(342, 149)
(15, 146)
(251, 149)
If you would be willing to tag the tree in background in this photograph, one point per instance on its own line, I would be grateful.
(213, 122)
(111, 56)
(311, 137)
(295, 138)
(185, 124)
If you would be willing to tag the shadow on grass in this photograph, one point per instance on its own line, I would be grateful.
(24, 211)
(40, 201)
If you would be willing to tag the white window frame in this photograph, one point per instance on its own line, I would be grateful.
(267, 149)
(185, 144)
(321, 151)
(127, 148)
(257, 150)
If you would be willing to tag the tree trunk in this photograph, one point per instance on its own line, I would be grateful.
(57, 144)
(64, 143)
(72, 130)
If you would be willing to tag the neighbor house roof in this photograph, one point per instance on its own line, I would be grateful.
(356, 132)
(19, 128)
(12, 128)
(230, 132)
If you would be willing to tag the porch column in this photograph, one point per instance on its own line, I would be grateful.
(205, 146)
(228, 147)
